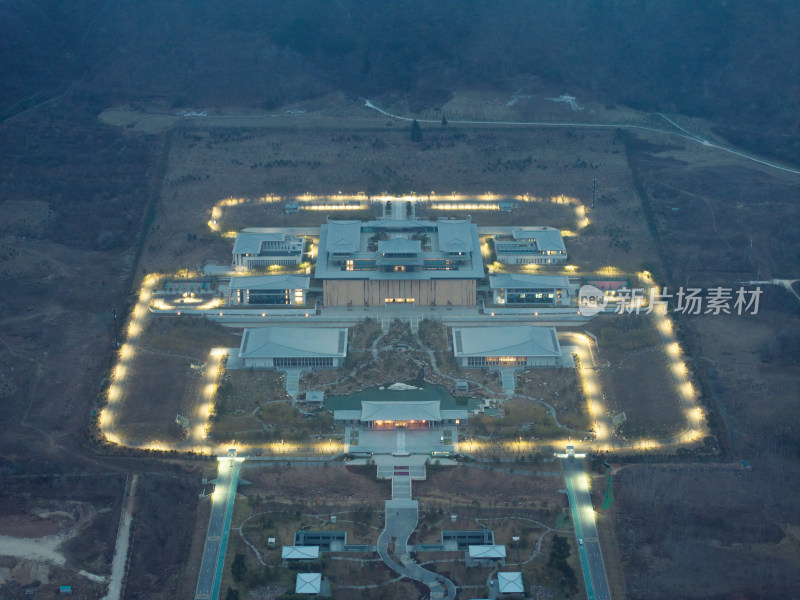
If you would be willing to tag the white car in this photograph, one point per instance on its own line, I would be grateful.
(580, 541)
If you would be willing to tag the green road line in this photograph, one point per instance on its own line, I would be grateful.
(609, 499)
(587, 576)
(223, 544)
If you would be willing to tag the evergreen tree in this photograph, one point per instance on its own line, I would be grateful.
(416, 132)
(238, 568)
(232, 594)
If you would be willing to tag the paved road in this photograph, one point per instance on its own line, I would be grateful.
(219, 523)
(120, 561)
(580, 502)
(401, 519)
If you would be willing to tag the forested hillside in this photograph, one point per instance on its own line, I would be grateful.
(733, 61)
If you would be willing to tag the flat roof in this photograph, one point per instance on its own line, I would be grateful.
(525, 340)
(300, 552)
(547, 238)
(486, 551)
(272, 342)
(510, 583)
(308, 583)
(522, 280)
(269, 282)
(249, 242)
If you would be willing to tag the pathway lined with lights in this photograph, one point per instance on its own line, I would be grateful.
(590, 554)
(219, 522)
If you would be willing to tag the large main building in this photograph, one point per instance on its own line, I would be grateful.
(378, 262)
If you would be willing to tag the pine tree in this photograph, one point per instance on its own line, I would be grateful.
(416, 132)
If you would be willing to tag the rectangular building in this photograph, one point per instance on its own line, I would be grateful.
(374, 263)
(400, 414)
(537, 246)
(254, 248)
(286, 347)
(268, 290)
(509, 346)
(521, 289)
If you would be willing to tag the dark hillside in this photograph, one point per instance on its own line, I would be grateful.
(734, 62)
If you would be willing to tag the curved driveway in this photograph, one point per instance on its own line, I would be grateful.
(401, 520)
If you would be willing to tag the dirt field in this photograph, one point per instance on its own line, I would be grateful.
(162, 382)
(55, 525)
(712, 531)
(637, 379)
(210, 162)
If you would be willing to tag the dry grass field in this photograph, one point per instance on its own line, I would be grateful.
(162, 382)
(356, 152)
(635, 378)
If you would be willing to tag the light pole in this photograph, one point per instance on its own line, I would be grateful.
(114, 313)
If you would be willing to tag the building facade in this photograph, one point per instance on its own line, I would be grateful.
(293, 347)
(375, 263)
(255, 248)
(537, 246)
(524, 289)
(506, 347)
(268, 290)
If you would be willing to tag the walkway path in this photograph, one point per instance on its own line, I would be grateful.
(508, 378)
(123, 541)
(293, 382)
(219, 523)
(401, 520)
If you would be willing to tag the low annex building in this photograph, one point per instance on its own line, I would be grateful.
(485, 555)
(268, 290)
(520, 289)
(395, 414)
(510, 583)
(525, 346)
(534, 246)
(256, 247)
(308, 583)
(282, 347)
(374, 263)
